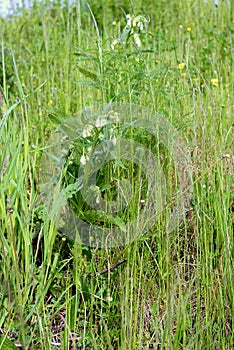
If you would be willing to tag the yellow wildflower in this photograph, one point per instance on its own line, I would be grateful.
(189, 29)
(215, 82)
(181, 65)
(183, 74)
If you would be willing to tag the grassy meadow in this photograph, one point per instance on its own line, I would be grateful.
(165, 290)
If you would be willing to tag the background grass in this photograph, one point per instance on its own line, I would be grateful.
(175, 291)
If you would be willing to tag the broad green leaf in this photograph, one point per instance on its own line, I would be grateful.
(55, 119)
(88, 74)
(125, 35)
(6, 344)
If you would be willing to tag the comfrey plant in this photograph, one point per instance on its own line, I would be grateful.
(104, 177)
(96, 142)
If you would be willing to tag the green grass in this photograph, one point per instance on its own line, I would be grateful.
(173, 290)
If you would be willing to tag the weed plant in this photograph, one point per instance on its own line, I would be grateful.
(165, 290)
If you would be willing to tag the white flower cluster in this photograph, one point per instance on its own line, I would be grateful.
(111, 117)
(100, 122)
(135, 26)
(87, 130)
(138, 23)
(92, 131)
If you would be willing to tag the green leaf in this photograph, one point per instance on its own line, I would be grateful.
(125, 35)
(107, 218)
(84, 57)
(68, 131)
(118, 161)
(6, 344)
(55, 119)
(53, 158)
(5, 116)
(142, 51)
(88, 74)
(118, 222)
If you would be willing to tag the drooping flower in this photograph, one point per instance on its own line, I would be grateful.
(114, 42)
(100, 122)
(84, 159)
(114, 116)
(129, 20)
(137, 39)
(87, 131)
